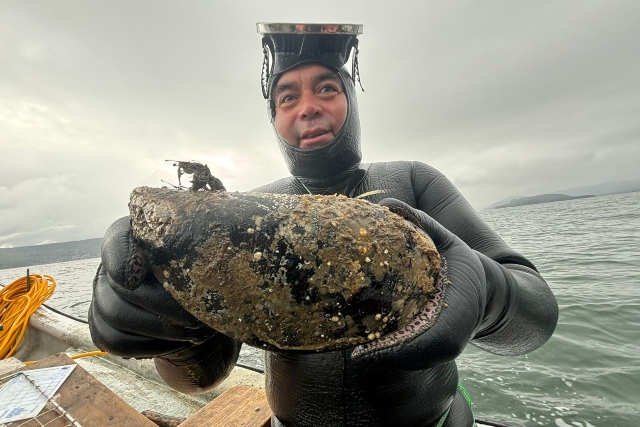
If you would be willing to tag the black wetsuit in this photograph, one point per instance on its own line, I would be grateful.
(330, 389)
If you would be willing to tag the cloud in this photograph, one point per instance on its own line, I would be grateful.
(505, 98)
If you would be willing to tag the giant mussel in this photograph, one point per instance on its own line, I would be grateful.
(290, 272)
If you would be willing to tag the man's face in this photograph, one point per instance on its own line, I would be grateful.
(311, 106)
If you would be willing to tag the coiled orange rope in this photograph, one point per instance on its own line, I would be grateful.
(18, 301)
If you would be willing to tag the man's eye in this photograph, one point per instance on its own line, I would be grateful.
(328, 89)
(285, 99)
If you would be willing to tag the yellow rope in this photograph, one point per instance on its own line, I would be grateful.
(17, 304)
(78, 356)
(90, 353)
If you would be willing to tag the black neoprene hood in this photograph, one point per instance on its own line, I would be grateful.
(286, 46)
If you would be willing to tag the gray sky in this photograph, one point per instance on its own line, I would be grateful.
(505, 97)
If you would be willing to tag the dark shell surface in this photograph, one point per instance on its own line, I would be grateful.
(286, 272)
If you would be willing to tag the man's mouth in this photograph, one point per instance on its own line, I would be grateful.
(313, 133)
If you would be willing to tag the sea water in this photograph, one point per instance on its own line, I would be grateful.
(587, 375)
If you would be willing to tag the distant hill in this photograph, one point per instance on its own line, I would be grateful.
(51, 253)
(613, 187)
(503, 202)
(542, 198)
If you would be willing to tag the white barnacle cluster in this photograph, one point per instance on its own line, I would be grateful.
(372, 255)
(373, 336)
(151, 218)
(154, 223)
(179, 265)
(385, 263)
(276, 200)
(382, 321)
(257, 255)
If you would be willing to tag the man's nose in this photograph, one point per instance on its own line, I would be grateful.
(310, 106)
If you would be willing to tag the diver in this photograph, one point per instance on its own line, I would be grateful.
(494, 297)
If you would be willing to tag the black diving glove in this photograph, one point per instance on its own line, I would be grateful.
(463, 282)
(132, 315)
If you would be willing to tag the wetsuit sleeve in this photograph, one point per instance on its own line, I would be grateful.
(520, 312)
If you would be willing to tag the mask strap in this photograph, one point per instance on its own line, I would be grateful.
(355, 69)
(265, 75)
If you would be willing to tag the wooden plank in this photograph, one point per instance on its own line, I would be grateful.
(89, 401)
(240, 406)
(10, 364)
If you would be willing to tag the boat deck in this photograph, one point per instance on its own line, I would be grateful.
(135, 381)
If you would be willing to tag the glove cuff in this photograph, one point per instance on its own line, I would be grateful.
(501, 297)
(121, 259)
(510, 328)
(199, 368)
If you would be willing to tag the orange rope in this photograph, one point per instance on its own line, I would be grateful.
(90, 353)
(17, 304)
(78, 356)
